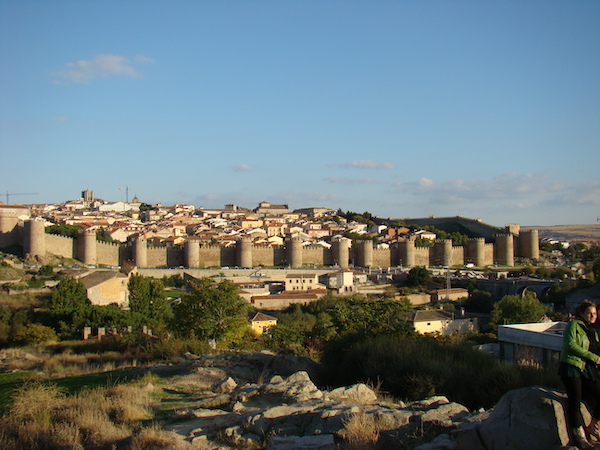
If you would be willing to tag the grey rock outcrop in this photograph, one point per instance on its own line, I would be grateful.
(236, 402)
(526, 418)
(294, 413)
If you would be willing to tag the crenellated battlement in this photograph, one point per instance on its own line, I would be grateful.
(245, 254)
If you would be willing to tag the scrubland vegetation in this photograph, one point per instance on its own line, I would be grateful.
(57, 391)
(43, 415)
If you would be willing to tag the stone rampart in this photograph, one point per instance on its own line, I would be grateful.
(210, 256)
(264, 255)
(422, 256)
(317, 255)
(382, 258)
(458, 256)
(363, 254)
(62, 246)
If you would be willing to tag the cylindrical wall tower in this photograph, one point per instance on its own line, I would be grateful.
(504, 250)
(192, 254)
(365, 253)
(479, 252)
(407, 253)
(35, 238)
(341, 252)
(9, 219)
(442, 253)
(87, 247)
(244, 252)
(475, 252)
(141, 253)
(294, 252)
(529, 245)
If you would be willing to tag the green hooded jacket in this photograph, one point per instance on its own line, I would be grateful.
(576, 345)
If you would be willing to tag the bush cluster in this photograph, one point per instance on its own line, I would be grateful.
(412, 368)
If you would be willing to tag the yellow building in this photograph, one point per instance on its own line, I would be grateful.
(261, 323)
(443, 322)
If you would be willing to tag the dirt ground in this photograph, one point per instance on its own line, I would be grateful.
(590, 232)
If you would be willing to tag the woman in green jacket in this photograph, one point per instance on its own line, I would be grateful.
(578, 362)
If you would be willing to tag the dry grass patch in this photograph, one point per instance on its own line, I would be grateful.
(154, 438)
(43, 416)
(202, 381)
(60, 365)
(35, 402)
(361, 431)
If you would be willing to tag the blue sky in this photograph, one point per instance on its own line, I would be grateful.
(401, 108)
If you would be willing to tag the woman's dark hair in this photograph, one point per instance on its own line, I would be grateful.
(580, 309)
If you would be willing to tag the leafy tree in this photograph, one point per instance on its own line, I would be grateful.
(562, 272)
(146, 207)
(422, 242)
(176, 281)
(64, 230)
(147, 297)
(109, 316)
(35, 334)
(590, 254)
(575, 251)
(293, 327)
(418, 276)
(19, 320)
(516, 309)
(211, 312)
(596, 268)
(68, 296)
(591, 258)
(370, 317)
(557, 294)
(479, 301)
(103, 235)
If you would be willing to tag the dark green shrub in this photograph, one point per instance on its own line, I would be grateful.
(45, 271)
(35, 334)
(414, 368)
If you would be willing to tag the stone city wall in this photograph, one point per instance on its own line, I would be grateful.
(107, 253)
(61, 246)
(244, 254)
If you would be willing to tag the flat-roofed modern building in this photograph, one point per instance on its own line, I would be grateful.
(531, 343)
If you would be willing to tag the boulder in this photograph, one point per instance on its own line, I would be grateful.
(357, 393)
(445, 414)
(226, 386)
(523, 419)
(297, 387)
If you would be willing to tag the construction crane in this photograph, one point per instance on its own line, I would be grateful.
(127, 189)
(18, 193)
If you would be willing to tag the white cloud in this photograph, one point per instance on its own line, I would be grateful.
(243, 167)
(425, 183)
(587, 194)
(143, 59)
(367, 164)
(504, 186)
(59, 119)
(348, 181)
(101, 66)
